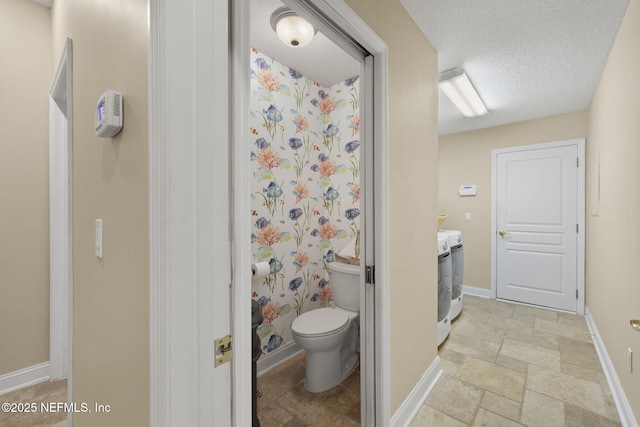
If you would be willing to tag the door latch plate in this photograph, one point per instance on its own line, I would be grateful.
(222, 350)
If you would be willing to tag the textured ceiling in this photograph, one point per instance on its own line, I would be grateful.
(527, 59)
(321, 60)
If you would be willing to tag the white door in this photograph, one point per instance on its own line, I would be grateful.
(537, 224)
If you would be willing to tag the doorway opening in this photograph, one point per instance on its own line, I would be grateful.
(306, 207)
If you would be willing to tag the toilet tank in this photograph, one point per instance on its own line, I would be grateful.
(345, 285)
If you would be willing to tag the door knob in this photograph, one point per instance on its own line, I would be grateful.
(635, 324)
(503, 233)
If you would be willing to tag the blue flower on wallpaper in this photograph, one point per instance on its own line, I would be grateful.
(261, 63)
(322, 94)
(352, 213)
(323, 157)
(275, 341)
(295, 213)
(351, 81)
(315, 297)
(322, 283)
(331, 194)
(261, 143)
(275, 266)
(315, 103)
(323, 220)
(273, 190)
(293, 73)
(331, 131)
(262, 222)
(263, 300)
(351, 146)
(273, 114)
(295, 284)
(295, 143)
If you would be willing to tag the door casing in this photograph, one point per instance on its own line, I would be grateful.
(199, 256)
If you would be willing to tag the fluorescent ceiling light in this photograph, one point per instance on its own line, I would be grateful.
(456, 85)
(292, 30)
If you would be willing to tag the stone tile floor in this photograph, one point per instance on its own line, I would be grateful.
(285, 402)
(47, 391)
(504, 365)
(513, 365)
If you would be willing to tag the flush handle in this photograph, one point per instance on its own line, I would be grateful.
(635, 324)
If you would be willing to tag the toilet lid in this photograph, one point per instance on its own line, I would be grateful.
(319, 322)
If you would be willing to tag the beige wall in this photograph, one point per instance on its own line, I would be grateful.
(413, 151)
(25, 70)
(613, 249)
(465, 158)
(110, 317)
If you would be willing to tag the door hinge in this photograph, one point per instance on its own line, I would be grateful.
(576, 294)
(222, 350)
(577, 228)
(578, 162)
(370, 274)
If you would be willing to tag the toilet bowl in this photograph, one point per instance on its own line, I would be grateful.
(330, 336)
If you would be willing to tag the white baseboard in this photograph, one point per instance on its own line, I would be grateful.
(269, 361)
(24, 377)
(411, 405)
(476, 292)
(622, 404)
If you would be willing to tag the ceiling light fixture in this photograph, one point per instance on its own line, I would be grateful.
(292, 30)
(456, 85)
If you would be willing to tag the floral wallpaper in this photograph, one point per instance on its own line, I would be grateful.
(305, 191)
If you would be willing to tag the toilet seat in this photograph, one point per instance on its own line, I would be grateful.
(320, 322)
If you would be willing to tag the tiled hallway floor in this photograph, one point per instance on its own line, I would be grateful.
(47, 391)
(504, 365)
(513, 365)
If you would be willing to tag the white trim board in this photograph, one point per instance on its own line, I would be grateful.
(24, 377)
(619, 397)
(476, 292)
(412, 404)
(268, 362)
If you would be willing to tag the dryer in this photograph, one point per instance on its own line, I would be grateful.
(445, 281)
(454, 238)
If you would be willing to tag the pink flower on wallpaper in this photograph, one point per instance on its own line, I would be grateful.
(327, 168)
(355, 125)
(302, 259)
(328, 231)
(355, 191)
(268, 80)
(301, 191)
(328, 105)
(268, 235)
(325, 294)
(268, 158)
(270, 312)
(302, 123)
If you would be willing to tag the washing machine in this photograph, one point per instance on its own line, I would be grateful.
(445, 282)
(454, 237)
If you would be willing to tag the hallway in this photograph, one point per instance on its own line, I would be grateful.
(514, 365)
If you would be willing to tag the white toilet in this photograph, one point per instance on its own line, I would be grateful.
(330, 336)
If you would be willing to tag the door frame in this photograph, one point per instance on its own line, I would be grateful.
(60, 219)
(579, 143)
(338, 19)
(189, 107)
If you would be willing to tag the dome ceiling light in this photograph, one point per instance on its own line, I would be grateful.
(291, 29)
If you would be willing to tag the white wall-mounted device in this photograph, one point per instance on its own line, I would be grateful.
(467, 190)
(109, 114)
